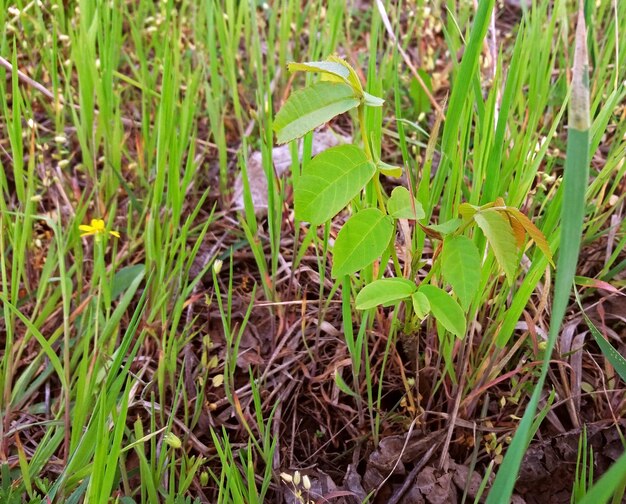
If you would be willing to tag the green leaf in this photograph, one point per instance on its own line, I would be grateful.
(330, 180)
(343, 386)
(467, 211)
(402, 206)
(460, 265)
(446, 310)
(419, 97)
(353, 78)
(420, 304)
(447, 227)
(389, 170)
(612, 355)
(328, 67)
(386, 292)
(361, 240)
(41, 339)
(124, 278)
(575, 181)
(501, 239)
(312, 106)
(372, 101)
(610, 483)
(336, 69)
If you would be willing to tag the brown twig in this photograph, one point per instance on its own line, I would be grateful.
(395, 498)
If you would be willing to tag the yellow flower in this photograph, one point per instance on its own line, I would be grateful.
(95, 227)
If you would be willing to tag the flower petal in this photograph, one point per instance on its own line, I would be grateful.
(97, 224)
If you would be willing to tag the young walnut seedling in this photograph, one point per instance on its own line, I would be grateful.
(334, 178)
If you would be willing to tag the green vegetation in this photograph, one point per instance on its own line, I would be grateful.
(290, 251)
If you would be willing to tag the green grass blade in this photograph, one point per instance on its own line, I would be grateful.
(461, 89)
(572, 215)
(608, 484)
(612, 355)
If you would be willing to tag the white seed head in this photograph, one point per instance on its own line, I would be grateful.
(173, 440)
(217, 266)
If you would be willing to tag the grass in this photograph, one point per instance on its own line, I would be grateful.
(135, 369)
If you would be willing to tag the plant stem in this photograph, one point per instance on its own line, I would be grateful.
(368, 153)
(366, 143)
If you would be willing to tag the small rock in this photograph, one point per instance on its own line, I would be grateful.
(281, 156)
